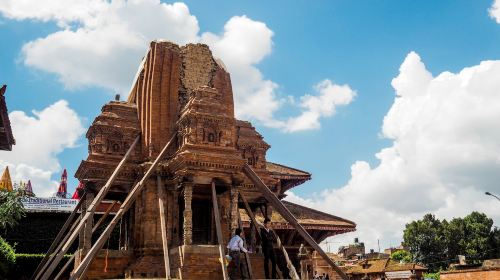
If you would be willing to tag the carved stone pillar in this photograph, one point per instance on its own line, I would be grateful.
(188, 214)
(234, 209)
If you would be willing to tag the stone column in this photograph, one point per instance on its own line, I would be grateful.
(234, 209)
(188, 214)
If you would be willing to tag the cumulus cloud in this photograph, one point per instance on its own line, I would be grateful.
(324, 104)
(495, 11)
(39, 139)
(100, 43)
(445, 154)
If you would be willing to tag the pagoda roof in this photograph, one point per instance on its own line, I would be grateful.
(381, 266)
(307, 217)
(6, 137)
(290, 177)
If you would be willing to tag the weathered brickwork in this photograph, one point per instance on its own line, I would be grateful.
(182, 91)
(477, 274)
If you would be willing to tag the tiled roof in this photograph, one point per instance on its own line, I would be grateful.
(397, 266)
(381, 266)
(307, 217)
(368, 266)
(282, 170)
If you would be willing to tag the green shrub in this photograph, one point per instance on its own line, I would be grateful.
(7, 259)
(26, 265)
(434, 276)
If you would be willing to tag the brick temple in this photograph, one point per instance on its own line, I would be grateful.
(185, 94)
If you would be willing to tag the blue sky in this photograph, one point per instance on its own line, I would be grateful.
(361, 44)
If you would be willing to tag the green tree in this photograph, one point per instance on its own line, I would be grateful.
(7, 258)
(401, 256)
(425, 240)
(494, 244)
(477, 234)
(11, 209)
(454, 237)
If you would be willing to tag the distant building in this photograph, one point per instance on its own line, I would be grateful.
(391, 250)
(490, 269)
(377, 269)
(351, 250)
(375, 255)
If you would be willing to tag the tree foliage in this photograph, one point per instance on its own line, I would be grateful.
(11, 209)
(7, 259)
(401, 256)
(436, 243)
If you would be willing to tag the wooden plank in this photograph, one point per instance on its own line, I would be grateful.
(290, 238)
(97, 200)
(65, 267)
(285, 213)
(103, 217)
(247, 257)
(218, 229)
(80, 270)
(291, 268)
(96, 226)
(163, 223)
(44, 263)
(257, 225)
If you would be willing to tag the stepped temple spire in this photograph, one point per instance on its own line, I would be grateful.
(62, 191)
(5, 181)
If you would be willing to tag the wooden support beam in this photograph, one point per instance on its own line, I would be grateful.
(257, 225)
(57, 241)
(291, 268)
(285, 213)
(289, 240)
(219, 231)
(163, 223)
(104, 216)
(96, 226)
(97, 200)
(247, 257)
(80, 270)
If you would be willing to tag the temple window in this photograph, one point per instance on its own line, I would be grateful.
(211, 137)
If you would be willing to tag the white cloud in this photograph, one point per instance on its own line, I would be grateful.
(103, 43)
(495, 11)
(444, 155)
(39, 139)
(323, 105)
(100, 43)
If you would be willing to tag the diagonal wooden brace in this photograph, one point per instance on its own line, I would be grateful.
(285, 213)
(97, 200)
(82, 267)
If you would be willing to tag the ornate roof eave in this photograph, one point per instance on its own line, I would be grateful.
(6, 136)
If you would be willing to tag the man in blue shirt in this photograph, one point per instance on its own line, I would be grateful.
(235, 246)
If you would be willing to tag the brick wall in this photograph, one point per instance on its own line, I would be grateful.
(476, 274)
(117, 261)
